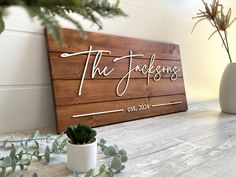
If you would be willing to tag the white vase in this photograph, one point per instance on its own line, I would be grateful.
(81, 157)
(227, 95)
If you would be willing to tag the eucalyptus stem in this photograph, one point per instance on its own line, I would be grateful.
(23, 140)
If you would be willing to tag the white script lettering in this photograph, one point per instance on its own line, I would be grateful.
(146, 69)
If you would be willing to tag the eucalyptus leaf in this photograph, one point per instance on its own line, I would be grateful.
(116, 163)
(110, 151)
(7, 161)
(122, 167)
(55, 147)
(36, 135)
(89, 173)
(102, 169)
(60, 136)
(49, 138)
(5, 143)
(34, 175)
(124, 158)
(47, 154)
(122, 152)
(36, 152)
(3, 172)
(22, 166)
(103, 141)
(13, 165)
(20, 154)
(13, 152)
(36, 144)
(2, 24)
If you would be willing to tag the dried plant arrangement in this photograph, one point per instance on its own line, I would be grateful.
(215, 14)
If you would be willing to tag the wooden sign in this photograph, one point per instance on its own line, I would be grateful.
(105, 79)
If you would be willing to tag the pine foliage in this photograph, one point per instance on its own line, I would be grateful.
(47, 10)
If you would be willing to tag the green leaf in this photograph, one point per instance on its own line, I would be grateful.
(59, 136)
(36, 152)
(7, 161)
(122, 152)
(34, 175)
(122, 167)
(89, 173)
(110, 151)
(3, 172)
(109, 173)
(116, 148)
(55, 147)
(116, 163)
(13, 152)
(36, 144)
(76, 23)
(36, 135)
(103, 141)
(13, 165)
(20, 154)
(52, 26)
(2, 24)
(5, 143)
(63, 143)
(47, 154)
(22, 166)
(75, 173)
(102, 169)
(124, 158)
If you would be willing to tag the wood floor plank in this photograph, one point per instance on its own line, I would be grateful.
(197, 143)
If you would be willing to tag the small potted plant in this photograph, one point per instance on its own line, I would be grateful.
(81, 148)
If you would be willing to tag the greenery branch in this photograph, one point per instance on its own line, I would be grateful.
(46, 12)
(218, 19)
(23, 151)
(116, 164)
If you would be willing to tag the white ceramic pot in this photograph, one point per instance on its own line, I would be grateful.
(227, 95)
(81, 157)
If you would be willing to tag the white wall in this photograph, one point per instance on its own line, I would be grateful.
(25, 95)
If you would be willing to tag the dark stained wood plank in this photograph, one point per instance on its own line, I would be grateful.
(73, 67)
(66, 91)
(119, 46)
(65, 113)
(100, 90)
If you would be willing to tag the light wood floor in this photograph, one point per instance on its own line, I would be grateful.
(198, 143)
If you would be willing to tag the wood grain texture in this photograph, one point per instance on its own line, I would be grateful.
(65, 112)
(72, 67)
(119, 46)
(79, 88)
(66, 91)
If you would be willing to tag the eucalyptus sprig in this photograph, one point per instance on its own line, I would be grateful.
(119, 156)
(46, 12)
(214, 13)
(23, 151)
